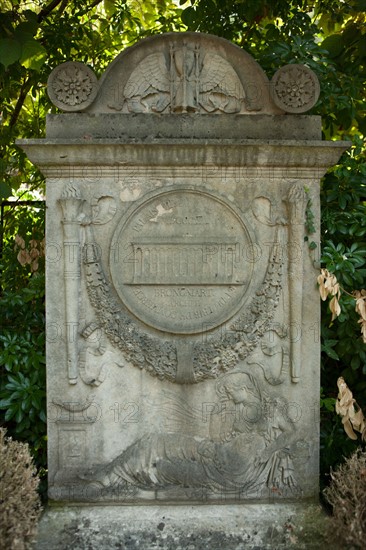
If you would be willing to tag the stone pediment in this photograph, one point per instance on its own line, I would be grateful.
(187, 72)
(178, 73)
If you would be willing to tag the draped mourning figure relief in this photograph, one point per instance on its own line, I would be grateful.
(253, 454)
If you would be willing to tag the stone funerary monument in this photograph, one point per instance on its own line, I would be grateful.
(182, 308)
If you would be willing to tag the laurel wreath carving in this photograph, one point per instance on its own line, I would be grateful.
(243, 336)
(157, 356)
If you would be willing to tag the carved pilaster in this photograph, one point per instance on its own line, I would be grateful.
(71, 203)
(296, 205)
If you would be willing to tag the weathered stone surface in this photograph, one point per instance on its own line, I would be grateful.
(176, 353)
(72, 86)
(295, 88)
(245, 160)
(184, 72)
(251, 527)
(145, 126)
(182, 309)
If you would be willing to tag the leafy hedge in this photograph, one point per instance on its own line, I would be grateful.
(22, 335)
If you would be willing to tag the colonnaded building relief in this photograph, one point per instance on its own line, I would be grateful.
(182, 309)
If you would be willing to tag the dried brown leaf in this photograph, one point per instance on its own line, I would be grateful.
(23, 257)
(363, 435)
(344, 406)
(19, 241)
(336, 291)
(34, 253)
(334, 307)
(322, 290)
(363, 330)
(348, 429)
(34, 266)
(321, 276)
(359, 293)
(328, 285)
(345, 401)
(361, 306)
(358, 421)
(347, 407)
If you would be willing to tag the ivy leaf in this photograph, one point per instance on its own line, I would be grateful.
(10, 51)
(33, 55)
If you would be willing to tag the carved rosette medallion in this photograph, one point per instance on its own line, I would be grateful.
(72, 86)
(176, 261)
(295, 88)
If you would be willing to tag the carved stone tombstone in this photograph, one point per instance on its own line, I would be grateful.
(182, 309)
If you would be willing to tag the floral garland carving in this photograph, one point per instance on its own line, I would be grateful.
(222, 354)
(158, 357)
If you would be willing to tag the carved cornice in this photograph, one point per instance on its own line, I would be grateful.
(312, 155)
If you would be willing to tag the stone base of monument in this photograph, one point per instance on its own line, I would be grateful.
(233, 526)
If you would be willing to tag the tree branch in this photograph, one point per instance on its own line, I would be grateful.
(95, 3)
(47, 10)
(62, 7)
(28, 83)
(19, 104)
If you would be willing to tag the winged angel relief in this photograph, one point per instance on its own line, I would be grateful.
(184, 84)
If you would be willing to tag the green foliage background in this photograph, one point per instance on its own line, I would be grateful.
(327, 35)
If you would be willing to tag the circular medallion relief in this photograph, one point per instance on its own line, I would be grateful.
(178, 262)
(72, 86)
(295, 88)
